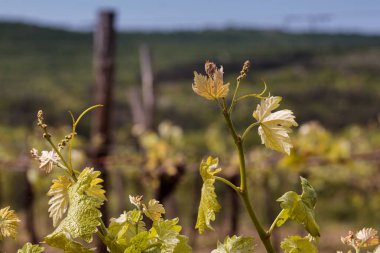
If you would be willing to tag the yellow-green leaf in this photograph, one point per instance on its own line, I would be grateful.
(83, 214)
(123, 229)
(63, 240)
(8, 223)
(59, 201)
(274, 127)
(30, 248)
(241, 244)
(208, 205)
(95, 189)
(300, 208)
(297, 244)
(210, 87)
(167, 233)
(154, 210)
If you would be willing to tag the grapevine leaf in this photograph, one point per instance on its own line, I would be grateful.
(274, 127)
(59, 201)
(182, 246)
(30, 248)
(83, 214)
(208, 205)
(123, 229)
(138, 243)
(154, 210)
(167, 233)
(239, 244)
(297, 244)
(95, 189)
(8, 223)
(211, 87)
(300, 208)
(64, 241)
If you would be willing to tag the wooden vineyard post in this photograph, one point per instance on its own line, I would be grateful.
(104, 51)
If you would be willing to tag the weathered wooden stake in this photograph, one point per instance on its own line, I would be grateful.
(104, 52)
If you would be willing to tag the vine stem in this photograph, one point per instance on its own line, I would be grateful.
(269, 232)
(243, 193)
(229, 183)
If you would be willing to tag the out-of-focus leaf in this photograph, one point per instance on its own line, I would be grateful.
(8, 223)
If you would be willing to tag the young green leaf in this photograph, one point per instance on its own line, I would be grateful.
(154, 210)
(241, 244)
(167, 233)
(297, 244)
(30, 248)
(300, 208)
(63, 240)
(138, 243)
(208, 205)
(59, 201)
(95, 189)
(8, 223)
(274, 127)
(210, 87)
(123, 229)
(83, 214)
(183, 245)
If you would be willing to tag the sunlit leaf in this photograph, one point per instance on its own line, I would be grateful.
(297, 244)
(63, 240)
(183, 245)
(208, 205)
(95, 189)
(30, 248)
(123, 229)
(8, 223)
(138, 243)
(154, 210)
(210, 87)
(300, 208)
(274, 127)
(239, 244)
(83, 214)
(167, 233)
(59, 201)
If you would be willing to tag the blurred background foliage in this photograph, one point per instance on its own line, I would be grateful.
(330, 81)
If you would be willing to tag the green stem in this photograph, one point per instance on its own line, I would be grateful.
(73, 132)
(56, 150)
(269, 232)
(229, 183)
(243, 182)
(259, 228)
(233, 97)
(249, 129)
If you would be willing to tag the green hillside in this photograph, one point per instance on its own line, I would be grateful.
(332, 78)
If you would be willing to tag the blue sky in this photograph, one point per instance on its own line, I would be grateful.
(326, 15)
